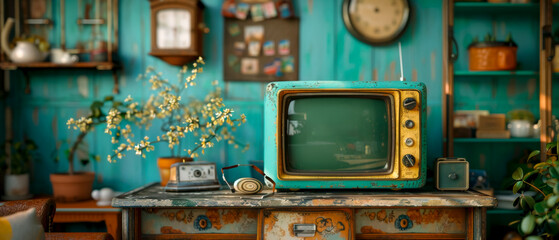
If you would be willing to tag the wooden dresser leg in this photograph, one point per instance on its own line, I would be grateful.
(113, 225)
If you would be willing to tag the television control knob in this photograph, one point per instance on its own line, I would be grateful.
(409, 124)
(410, 103)
(409, 160)
(409, 142)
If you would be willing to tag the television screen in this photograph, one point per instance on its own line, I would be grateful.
(329, 134)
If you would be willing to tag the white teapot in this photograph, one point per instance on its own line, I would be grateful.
(23, 52)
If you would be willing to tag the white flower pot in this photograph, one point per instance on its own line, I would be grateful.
(520, 128)
(16, 186)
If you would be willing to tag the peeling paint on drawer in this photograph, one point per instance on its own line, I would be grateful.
(330, 224)
(415, 220)
(180, 220)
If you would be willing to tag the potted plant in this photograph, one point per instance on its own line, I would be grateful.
(492, 55)
(541, 213)
(72, 185)
(16, 158)
(207, 120)
(520, 123)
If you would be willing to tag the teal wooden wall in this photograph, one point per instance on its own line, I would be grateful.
(327, 52)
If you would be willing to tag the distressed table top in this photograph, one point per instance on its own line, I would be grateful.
(153, 195)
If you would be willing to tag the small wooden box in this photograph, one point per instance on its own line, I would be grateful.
(492, 122)
(452, 174)
(483, 133)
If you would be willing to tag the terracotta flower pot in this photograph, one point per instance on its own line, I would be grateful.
(72, 188)
(164, 164)
(492, 56)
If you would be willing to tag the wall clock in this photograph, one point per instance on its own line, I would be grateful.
(376, 22)
(176, 30)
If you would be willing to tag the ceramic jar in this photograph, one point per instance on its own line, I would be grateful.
(520, 128)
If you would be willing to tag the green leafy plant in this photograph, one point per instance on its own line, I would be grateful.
(490, 39)
(520, 114)
(541, 214)
(18, 159)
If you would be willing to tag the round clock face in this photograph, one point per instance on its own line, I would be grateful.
(376, 22)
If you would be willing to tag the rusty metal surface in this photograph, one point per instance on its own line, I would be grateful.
(429, 220)
(153, 196)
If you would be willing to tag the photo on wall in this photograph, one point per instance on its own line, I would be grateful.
(264, 51)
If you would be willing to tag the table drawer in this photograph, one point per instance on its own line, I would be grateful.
(412, 220)
(198, 221)
(308, 224)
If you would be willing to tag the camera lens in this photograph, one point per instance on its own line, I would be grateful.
(197, 173)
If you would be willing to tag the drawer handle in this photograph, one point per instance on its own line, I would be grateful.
(304, 230)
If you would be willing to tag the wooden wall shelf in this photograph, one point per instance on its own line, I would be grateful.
(497, 73)
(26, 67)
(484, 7)
(47, 65)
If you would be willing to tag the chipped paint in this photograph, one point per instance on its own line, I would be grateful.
(45, 90)
(413, 220)
(375, 74)
(122, 81)
(331, 224)
(390, 74)
(83, 85)
(211, 220)
(433, 66)
(511, 87)
(54, 124)
(310, 6)
(532, 87)
(35, 116)
(414, 75)
(154, 196)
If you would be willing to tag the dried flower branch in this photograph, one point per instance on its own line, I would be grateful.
(208, 120)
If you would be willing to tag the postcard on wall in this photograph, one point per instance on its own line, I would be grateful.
(256, 12)
(287, 64)
(273, 68)
(283, 47)
(242, 11)
(239, 47)
(269, 48)
(254, 33)
(254, 48)
(234, 29)
(228, 8)
(269, 10)
(249, 66)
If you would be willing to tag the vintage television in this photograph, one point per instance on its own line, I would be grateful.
(345, 135)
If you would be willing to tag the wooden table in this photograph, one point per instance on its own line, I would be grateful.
(88, 211)
(151, 213)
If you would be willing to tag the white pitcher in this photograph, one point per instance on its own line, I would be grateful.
(23, 52)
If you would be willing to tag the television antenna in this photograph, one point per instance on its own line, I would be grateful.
(402, 78)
